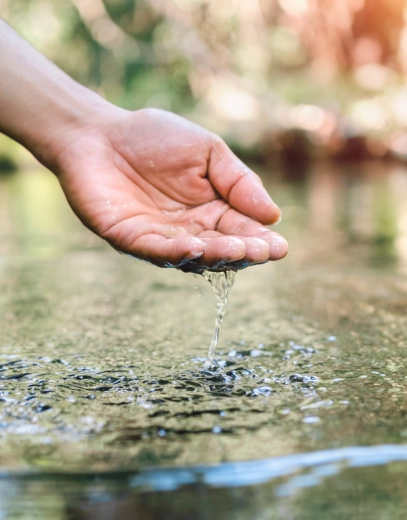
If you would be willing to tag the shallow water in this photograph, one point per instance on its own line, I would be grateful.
(102, 364)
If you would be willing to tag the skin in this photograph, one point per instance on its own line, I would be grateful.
(152, 184)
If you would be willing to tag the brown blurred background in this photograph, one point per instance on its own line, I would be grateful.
(286, 80)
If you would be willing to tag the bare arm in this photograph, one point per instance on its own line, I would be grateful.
(152, 184)
(37, 99)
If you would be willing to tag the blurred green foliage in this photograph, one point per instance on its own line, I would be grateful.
(238, 66)
(107, 46)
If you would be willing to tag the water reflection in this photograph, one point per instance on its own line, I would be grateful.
(337, 483)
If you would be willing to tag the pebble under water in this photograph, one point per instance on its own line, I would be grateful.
(102, 359)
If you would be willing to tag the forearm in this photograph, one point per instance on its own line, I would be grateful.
(39, 102)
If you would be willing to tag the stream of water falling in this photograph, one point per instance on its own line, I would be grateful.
(221, 283)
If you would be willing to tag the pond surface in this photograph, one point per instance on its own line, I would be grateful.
(107, 410)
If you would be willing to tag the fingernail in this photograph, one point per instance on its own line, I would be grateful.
(279, 244)
(197, 249)
(192, 255)
(259, 243)
(235, 243)
(280, 218)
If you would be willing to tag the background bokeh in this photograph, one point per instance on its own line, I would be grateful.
(286, 79)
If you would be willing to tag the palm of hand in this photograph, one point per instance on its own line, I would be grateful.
(167, 191)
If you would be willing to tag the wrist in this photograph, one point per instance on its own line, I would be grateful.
(68, 115)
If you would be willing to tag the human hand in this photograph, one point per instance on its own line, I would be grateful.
(152, 184)
(162, 189)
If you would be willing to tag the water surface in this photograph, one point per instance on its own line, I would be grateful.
(102, 360)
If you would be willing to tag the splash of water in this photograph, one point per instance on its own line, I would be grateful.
(221, 283)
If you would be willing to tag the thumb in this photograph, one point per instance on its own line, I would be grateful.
(239, 185)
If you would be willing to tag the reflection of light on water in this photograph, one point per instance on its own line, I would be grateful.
(367, 211)
(398, 188)
(323, 197)
(321, 464)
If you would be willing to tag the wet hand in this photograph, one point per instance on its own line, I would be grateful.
(165, 190)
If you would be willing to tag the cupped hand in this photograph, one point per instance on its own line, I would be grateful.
(162, 189)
